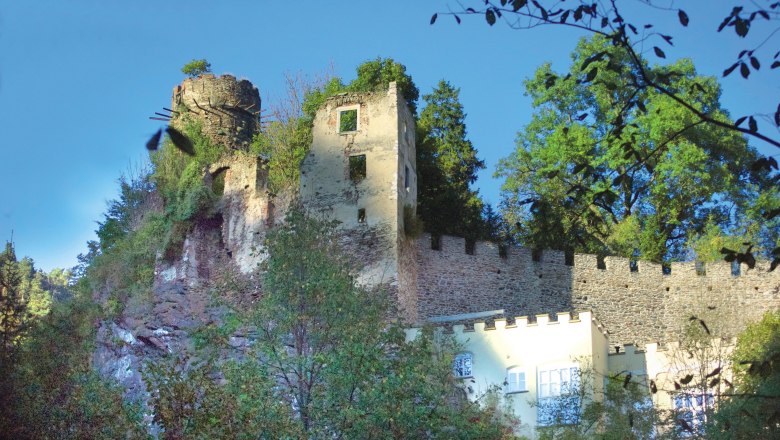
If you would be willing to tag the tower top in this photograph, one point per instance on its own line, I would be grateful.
(228, 109)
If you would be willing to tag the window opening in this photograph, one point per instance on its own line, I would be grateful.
(601, 263)
(666, 269)
(362, 215)
(406, 177)
(348, 120)
(736, 270)
(515, 380)
(536, 255)
(471, 245)
(701, 269)
(461, 366)
(436, 242)
(503, 251)
(357, 167)
(218, 181)
(633, 265)
(568, 258)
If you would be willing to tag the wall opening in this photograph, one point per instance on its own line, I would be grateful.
(218, 181)
(503, 251)
(701, 269)
(361, 215)
(348, 120)
(471, 245)
(666, 269)
(436, 242)
(357, 167)
(633, 265)
(536, 255)
(601, 262)
(736, 269)
(406, 177)
(568, 258)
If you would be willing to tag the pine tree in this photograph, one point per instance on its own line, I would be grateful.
(447, 165)
(13, 304)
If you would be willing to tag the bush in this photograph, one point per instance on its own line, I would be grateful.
(196, 68)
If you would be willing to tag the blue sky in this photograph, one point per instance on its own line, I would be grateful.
(78, 80)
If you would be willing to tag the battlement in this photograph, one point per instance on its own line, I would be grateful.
(637, 303)
(524, 322)
(227, 108)
(481, 252)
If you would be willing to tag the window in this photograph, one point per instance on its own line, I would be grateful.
(693, 407)
(436, 242)
(348, 120)
(406, 177)
(362, 215)
(515, 380)
(461, 366)
(357, 167)
(558, 396)
(471, 245)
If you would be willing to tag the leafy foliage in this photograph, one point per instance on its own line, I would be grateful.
(325, 363)
(641, 189)
(752, 411)
(377, 75)
(196, 68)
(605, 20)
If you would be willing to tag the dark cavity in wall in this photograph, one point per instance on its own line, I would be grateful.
(218, 181)
(436, 242)
(471, 245)
(357, 167)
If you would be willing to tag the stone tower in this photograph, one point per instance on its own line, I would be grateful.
(361, 171)
(228, 109)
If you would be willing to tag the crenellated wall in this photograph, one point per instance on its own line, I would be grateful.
(635, 306)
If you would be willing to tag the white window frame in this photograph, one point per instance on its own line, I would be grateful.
(463, 365)
(558, 390)
(347, 108)
(516, 380)
(693, 406)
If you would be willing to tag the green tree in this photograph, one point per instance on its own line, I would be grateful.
(196, 68)
(753, 410)
(377, 74)
(326, 362)
(14, 313)
(447, 165)
(608, 21)
(575, 182)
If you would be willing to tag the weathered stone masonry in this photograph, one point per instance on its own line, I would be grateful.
(636, 307)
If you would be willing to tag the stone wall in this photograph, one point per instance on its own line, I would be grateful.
(635, 306)
(227, 108)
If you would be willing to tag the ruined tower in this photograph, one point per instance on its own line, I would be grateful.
(361, 171)
(227, 111)
(227, 108)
